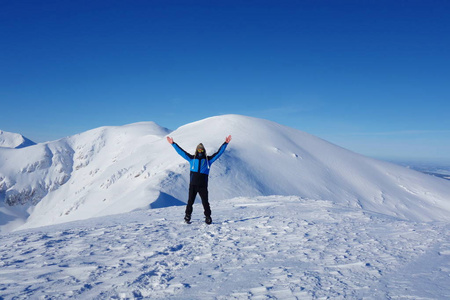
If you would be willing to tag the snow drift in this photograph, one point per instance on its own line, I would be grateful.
(112, 170)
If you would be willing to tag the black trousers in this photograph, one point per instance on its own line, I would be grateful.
(193, 191)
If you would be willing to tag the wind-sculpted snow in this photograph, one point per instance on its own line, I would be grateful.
(276, 247)
(14, 140)
(112, 170)
(40, 172)
(50, 167)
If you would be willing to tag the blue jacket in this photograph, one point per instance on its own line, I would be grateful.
(200, 163)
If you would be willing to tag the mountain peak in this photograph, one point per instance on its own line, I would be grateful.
(117, 169)
(14, 140)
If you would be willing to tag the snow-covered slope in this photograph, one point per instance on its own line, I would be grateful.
(48, 182)
(14, 140)
(277, 247)
(118, 169)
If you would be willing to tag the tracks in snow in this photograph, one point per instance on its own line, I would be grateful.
(257, 248)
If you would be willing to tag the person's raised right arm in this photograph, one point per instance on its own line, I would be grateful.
(180, 150)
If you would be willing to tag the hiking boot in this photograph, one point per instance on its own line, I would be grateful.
(187, 218)
(208, 220)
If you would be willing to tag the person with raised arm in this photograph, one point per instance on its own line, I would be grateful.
(200, 164)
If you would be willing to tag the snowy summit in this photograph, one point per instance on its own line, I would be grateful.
(295, 217)
(112, 170)
(14, 140)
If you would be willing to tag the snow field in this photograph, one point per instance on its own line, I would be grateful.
(274, 247)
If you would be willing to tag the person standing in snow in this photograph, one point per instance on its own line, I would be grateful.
(200, 164)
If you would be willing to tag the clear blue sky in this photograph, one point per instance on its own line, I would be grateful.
(371, 76)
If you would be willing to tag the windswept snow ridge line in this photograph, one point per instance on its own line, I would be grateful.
(112, 170)
(78, 177)
(266, 247)
(14, 140)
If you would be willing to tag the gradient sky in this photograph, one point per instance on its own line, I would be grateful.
(370, 76)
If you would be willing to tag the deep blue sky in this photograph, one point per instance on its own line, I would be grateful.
(371, 76)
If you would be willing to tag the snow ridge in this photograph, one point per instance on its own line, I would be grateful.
(14, 140)
(112, 170)
(294, 217)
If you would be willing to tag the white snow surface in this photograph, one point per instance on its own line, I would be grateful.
(99, 216)
(273, 247)
(112, 170)
(13, 140)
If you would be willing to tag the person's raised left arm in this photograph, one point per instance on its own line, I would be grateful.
(221, 150)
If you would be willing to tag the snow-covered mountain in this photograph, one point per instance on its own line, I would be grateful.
(112, 170)
(14, 140)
